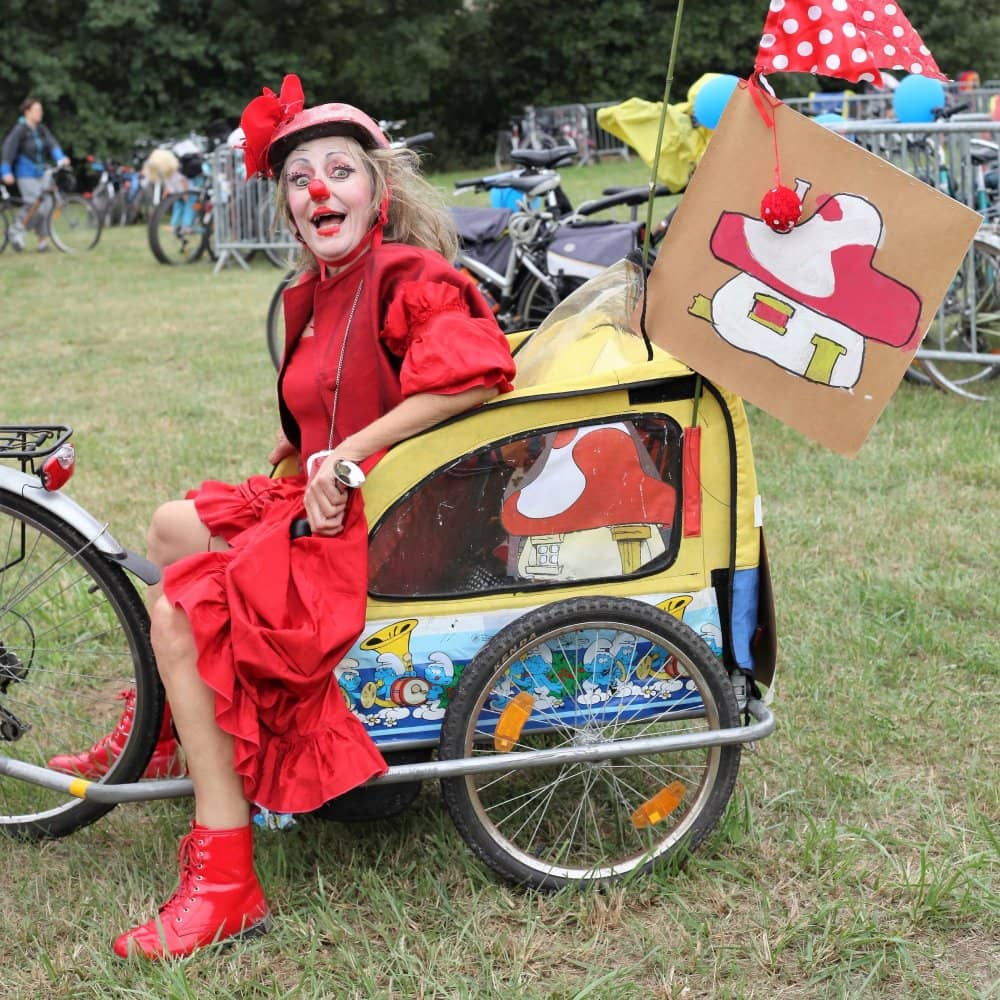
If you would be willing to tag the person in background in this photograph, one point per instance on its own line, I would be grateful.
(27, 150)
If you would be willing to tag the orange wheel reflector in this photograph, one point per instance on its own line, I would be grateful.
(659, 807)
(512, 720)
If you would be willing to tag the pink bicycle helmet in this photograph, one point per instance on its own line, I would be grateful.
(274, 123)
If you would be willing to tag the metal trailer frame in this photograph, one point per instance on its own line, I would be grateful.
(173, 788)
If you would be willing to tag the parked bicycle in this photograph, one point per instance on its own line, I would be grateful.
(180, 227)
(534, 130)
(528, 260)
(963, 339)
(71, 222)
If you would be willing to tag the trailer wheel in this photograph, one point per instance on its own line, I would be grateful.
(579, 673)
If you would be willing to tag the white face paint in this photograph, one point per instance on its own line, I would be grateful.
(332, 226)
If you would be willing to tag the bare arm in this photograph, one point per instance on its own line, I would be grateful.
(325, 498)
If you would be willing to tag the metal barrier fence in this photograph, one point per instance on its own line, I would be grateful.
(944, 154)
(861, 107)
(243, 215)
(560, 124)
(603, 142)
(952, 156)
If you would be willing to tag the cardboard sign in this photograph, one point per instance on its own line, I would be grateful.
(818, 325)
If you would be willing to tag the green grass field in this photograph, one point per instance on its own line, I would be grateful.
(859, 857)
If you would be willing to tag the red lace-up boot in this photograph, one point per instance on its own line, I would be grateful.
(94, 763)
(218, 898)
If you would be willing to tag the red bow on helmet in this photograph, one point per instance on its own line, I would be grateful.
(262, 117)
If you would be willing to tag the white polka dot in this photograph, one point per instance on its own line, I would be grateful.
(889, 50)
(814, 13)
(867, 77)
(924, 51)
(766, 41)
(897, 66)
(780, 62)
(849, 30)
(859, 55)
(826, 36)
(790, 26)
(890, 9)
(777, 5)
(840, 5)
(833, 62)
(898, 31)
(868, 16)
(916, 68)
(814, 68)
(804, 49)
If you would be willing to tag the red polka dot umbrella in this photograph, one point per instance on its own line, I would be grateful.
(848, 39)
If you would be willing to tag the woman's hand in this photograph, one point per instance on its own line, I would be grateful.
(282, 449)
(326, 499)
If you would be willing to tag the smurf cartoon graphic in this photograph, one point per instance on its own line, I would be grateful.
(808, 299)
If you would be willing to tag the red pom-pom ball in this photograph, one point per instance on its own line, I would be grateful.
(780, 208)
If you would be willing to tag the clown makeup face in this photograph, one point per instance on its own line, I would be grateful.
(329, 195)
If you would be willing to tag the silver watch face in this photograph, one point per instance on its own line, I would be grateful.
(348, 473)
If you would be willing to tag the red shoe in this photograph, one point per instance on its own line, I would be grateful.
(218, 898)
(94, 763)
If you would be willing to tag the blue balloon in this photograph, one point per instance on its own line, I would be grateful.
(828, 118)
(916, 97)
(711, 99)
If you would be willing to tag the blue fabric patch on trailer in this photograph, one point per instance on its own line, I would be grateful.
(746, 586)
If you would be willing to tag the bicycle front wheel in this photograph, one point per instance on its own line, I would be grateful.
(538, 299)
(276, 322)
(73, 636)
(74, 224)
(586, 674)
(968, 322)
(178, 230)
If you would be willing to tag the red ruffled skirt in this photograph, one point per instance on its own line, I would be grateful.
(271, 619)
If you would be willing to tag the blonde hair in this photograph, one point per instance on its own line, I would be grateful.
(418, 214)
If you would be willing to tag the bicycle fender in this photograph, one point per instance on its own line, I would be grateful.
(72, 514)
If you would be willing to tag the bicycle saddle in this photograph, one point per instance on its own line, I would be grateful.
(543, 158)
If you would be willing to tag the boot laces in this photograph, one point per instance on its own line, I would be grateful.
(191, 858)
(124, 724)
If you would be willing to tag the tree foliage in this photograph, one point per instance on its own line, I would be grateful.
(111, 74)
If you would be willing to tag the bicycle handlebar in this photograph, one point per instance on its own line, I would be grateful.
(614, 197)
(504, 179)
(420, 139)
(943, 114)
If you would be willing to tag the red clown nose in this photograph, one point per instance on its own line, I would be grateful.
(318, 190)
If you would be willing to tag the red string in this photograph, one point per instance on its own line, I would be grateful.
(761, 98)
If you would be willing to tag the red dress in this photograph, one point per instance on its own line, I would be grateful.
(271, 618)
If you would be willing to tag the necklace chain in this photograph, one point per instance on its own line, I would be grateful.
(340, 363)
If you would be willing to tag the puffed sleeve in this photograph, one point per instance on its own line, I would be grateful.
(444, 347)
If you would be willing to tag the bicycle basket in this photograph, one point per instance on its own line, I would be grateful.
(191, 165)
(482, 233)
(65, 180)
(584, 251)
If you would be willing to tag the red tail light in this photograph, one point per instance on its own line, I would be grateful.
(58, 467)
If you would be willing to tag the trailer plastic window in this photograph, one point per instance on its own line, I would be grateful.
(547, 509)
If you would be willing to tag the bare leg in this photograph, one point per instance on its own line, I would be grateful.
(218, 789)
(175, 532)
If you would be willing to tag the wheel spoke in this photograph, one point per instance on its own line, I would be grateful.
(560, 824)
